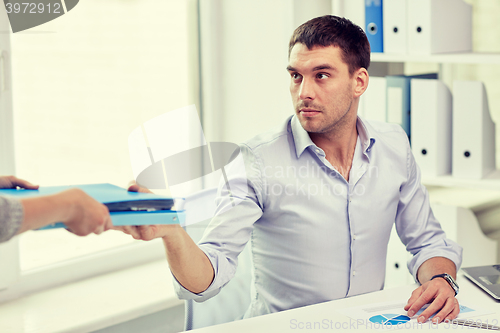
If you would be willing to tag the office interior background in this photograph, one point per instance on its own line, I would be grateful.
(81, 83)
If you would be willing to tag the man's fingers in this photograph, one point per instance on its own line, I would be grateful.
(134, 188)
(425, 298)
(132, 231)
(414, 296)
(445, 311)
(137, 188)
(434, 307)
(455, 312)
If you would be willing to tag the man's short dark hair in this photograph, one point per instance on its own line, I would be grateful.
(337, 31)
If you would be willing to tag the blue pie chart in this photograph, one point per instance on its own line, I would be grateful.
(390, 319)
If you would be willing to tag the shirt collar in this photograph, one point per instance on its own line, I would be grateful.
(302, 139)
(367, 141)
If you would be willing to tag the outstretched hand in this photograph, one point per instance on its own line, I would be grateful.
(14, 182)
(145, 232)
(85, 214)
(442, 301)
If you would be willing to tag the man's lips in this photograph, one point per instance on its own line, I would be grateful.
(309, 112)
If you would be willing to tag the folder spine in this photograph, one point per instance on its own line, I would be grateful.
(439, 26)
(374, 24)
(473, 131)
(431, 106)
(395, 26)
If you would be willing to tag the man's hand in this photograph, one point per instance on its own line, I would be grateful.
(442, 298)
(13, 182)
(146, 232)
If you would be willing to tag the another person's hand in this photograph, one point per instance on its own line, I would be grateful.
(146, 232)
(13, 182)
(81, 214)
(84, 215)
(442, 298)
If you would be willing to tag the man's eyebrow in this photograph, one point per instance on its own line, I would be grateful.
(325, 66)
(317, 68)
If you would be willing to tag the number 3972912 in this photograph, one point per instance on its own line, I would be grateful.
(33, 8)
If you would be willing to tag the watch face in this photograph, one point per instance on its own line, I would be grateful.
(452, 282)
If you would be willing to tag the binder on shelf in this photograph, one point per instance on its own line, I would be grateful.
(374, 24)
(395, 26)
(473, 131)
(126, 208)
(431, 125)
(439, 26)
(399, 99)
(373, 101)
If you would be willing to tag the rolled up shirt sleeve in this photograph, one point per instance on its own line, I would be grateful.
(239, 206)
(417, 226)
(11, 217)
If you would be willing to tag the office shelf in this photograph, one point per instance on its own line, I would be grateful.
(490, 182)
(450, 58)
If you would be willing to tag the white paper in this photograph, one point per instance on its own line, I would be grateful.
(393, 314)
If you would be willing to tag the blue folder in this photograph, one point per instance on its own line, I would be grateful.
(126, 208)
(374, 24)
(404, 82)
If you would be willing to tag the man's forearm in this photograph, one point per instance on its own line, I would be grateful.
(189, 264)
(434, 266)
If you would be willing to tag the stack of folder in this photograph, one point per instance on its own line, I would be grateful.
(126, 208)
(450, 133)
(413, 26)
(388, 99)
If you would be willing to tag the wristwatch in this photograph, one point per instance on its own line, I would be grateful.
(448, 279)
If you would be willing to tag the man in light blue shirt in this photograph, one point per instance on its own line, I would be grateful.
(317, 197)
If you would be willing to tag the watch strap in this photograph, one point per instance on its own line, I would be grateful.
(448, 278)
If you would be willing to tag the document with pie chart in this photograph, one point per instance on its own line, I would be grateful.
(393, 313)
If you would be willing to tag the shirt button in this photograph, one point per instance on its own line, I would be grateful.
(353, 273)
(317, 151)
(353, 236)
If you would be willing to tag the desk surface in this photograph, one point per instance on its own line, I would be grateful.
(287, 321)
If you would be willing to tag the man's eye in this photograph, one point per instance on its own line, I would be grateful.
(296, 76)
(322, 76)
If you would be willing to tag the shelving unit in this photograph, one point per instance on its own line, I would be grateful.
(492, 181)
(459, 220)
(450, 58)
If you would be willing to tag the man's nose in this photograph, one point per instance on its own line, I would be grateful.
(306, 90)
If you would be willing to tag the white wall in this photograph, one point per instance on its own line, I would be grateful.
(85, 80)
(244, 52)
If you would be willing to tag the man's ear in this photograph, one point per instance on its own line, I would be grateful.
(361, 79)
